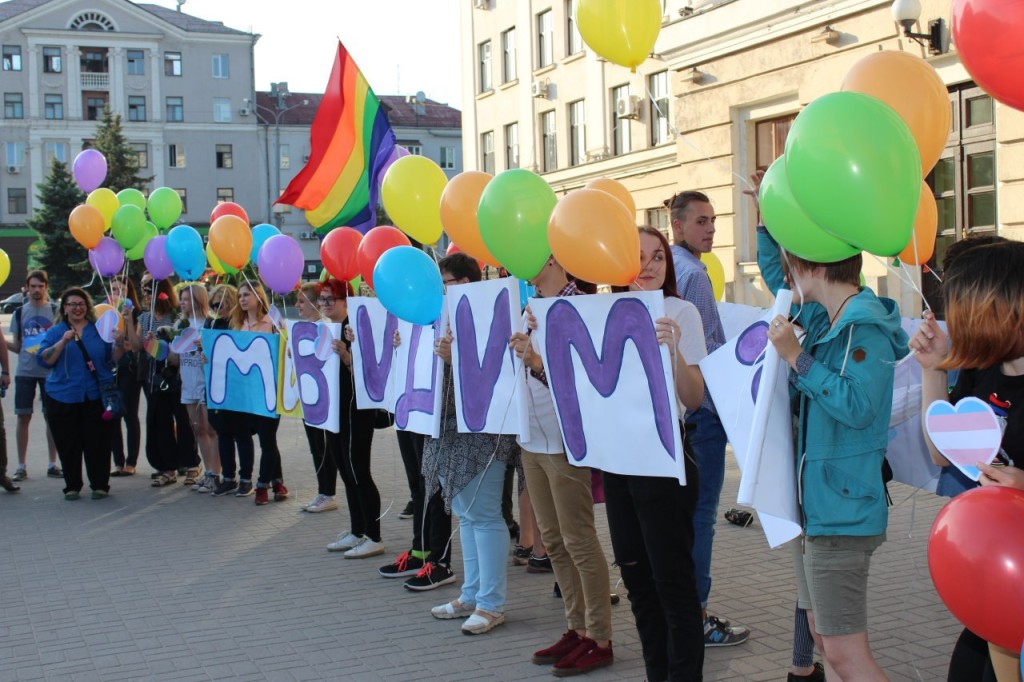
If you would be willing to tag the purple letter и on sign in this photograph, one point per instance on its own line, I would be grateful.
(415, 399)
(375, 374)
(628, 320)
(478, 379)
(308, 365)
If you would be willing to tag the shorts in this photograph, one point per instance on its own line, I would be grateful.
(193, 395)
(832, 581)
(25, 394)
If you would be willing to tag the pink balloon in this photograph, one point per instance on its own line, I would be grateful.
(280, 263)
(90, 170)
(156, 259)
(107, 258)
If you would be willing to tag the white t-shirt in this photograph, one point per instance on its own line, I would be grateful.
(545, 432)
(691, 343)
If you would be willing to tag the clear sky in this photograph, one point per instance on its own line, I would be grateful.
(401, 45)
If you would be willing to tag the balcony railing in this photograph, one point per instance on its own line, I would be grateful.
(95, 81)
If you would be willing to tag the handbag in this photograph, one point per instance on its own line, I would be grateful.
(382, 419)
(110, 394)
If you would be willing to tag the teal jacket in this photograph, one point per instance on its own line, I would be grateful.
(842, 405)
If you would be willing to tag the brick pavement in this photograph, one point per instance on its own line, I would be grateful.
(168, 584)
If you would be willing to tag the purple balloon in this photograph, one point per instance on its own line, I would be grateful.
(280, 262)
(156, 259)
(107, 258)
(90, 170)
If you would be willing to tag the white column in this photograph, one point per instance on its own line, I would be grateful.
(74, 103)
(115, 67)
(156, 107)
(34, 74)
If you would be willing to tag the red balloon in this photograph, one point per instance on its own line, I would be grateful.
(976, 558)
(228, 208)
(338, 252)
(987, 35)
(374, 244)
(454, 248)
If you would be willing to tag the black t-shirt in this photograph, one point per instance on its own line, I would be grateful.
(1005, 394)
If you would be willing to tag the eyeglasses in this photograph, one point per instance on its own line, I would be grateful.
(216, 304)
(449, 280)
(324, 300)
(74, 305)
(147, 290)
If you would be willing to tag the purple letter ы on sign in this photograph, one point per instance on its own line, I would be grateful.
(416, 399)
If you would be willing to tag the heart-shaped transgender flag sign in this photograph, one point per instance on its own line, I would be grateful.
(966, 433)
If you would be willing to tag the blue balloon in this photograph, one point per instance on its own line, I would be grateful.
(408, 285)
(260, 234)
(185, 251)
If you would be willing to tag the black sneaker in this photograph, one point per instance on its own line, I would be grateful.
(539, 564)
(520, 555)
(55, 472)
(408, 512)
(430, 577)
(244, 489)
(404, 565)
(226, 486)
(816, 675)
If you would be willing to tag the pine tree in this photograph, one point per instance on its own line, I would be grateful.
(56, 251)
(122, 160)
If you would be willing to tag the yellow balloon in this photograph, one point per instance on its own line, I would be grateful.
(715, 272)
(5, 266)
(106, 202)
(621, 31)
(411, 194)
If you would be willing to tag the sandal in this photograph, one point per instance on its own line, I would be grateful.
(738, 517)
(191, 477)
(163, 479)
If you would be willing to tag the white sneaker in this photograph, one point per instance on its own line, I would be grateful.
(209, 484)
(366, 548)
(345, 542)
(321, 503)
(201, 482)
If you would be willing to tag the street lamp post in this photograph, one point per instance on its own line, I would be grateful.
(280, 94)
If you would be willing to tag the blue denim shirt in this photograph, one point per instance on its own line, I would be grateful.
(694, 285)
(70, 380)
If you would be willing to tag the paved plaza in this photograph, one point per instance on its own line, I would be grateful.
(167, 584)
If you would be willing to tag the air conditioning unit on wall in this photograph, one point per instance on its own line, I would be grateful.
(482, 4)
(628, 107)
(539, 89)
(14, 170)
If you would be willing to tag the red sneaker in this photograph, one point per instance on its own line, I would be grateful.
(262, 497)
(280, 492)
(559, 650)
(585, 657)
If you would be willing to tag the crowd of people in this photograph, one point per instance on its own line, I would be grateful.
(661, 533)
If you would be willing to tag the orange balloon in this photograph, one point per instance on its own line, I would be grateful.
(926, 224)
(454, 248)
(594, 237)
(459, 201)
(231, 240)
(617, 190)
(87, 225)
(912, 87)
(101, 308)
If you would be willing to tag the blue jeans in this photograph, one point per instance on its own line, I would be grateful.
(708, 442)
(485, 541)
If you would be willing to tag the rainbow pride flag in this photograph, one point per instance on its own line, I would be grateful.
(350, 142)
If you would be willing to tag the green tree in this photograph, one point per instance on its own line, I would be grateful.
(56, 251)
(122, 160)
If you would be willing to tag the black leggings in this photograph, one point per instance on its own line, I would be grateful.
(970, 661)
(131, 394)
(234, 429)
(270, 455)
(326, 471)
(350, 450)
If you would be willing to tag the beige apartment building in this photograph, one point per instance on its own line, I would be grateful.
(712, 104)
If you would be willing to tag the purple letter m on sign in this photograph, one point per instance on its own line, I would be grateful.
(628, 320)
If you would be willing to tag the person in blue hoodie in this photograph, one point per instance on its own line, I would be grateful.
(842, 378)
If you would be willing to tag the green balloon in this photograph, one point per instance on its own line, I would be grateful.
(513, 216)
(855, 169)
(139, 250)
(132, 197)
(164, 207)
(128, 226)
(791, 227)
(356, 283)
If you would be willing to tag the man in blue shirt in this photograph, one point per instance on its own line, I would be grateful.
(693, 231)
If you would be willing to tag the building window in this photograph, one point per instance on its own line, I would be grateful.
(183, 193)
(175, 109)
(176, 155)
(52, 61)
(658, 219)
(512, 145)
(136, 63)
(657, 86)
(53, 107)
(549, 149)
(136, 108)
(621, 142)
(573, 40)
(94, 60)
(508, 56)
(447, 158)
(15, 153)
(141, 150)
(95, 103)
(770, 139)
(221, 110)
(487, 152)
(172, 63)
(545, 36)
(56, 151)
(225, 159)
(414, 149)
(225, 194)
(577, 134)
(13, 105)
(17, 200)
(12, 58)
(285, 156)
(483, 51)
(220, 66)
